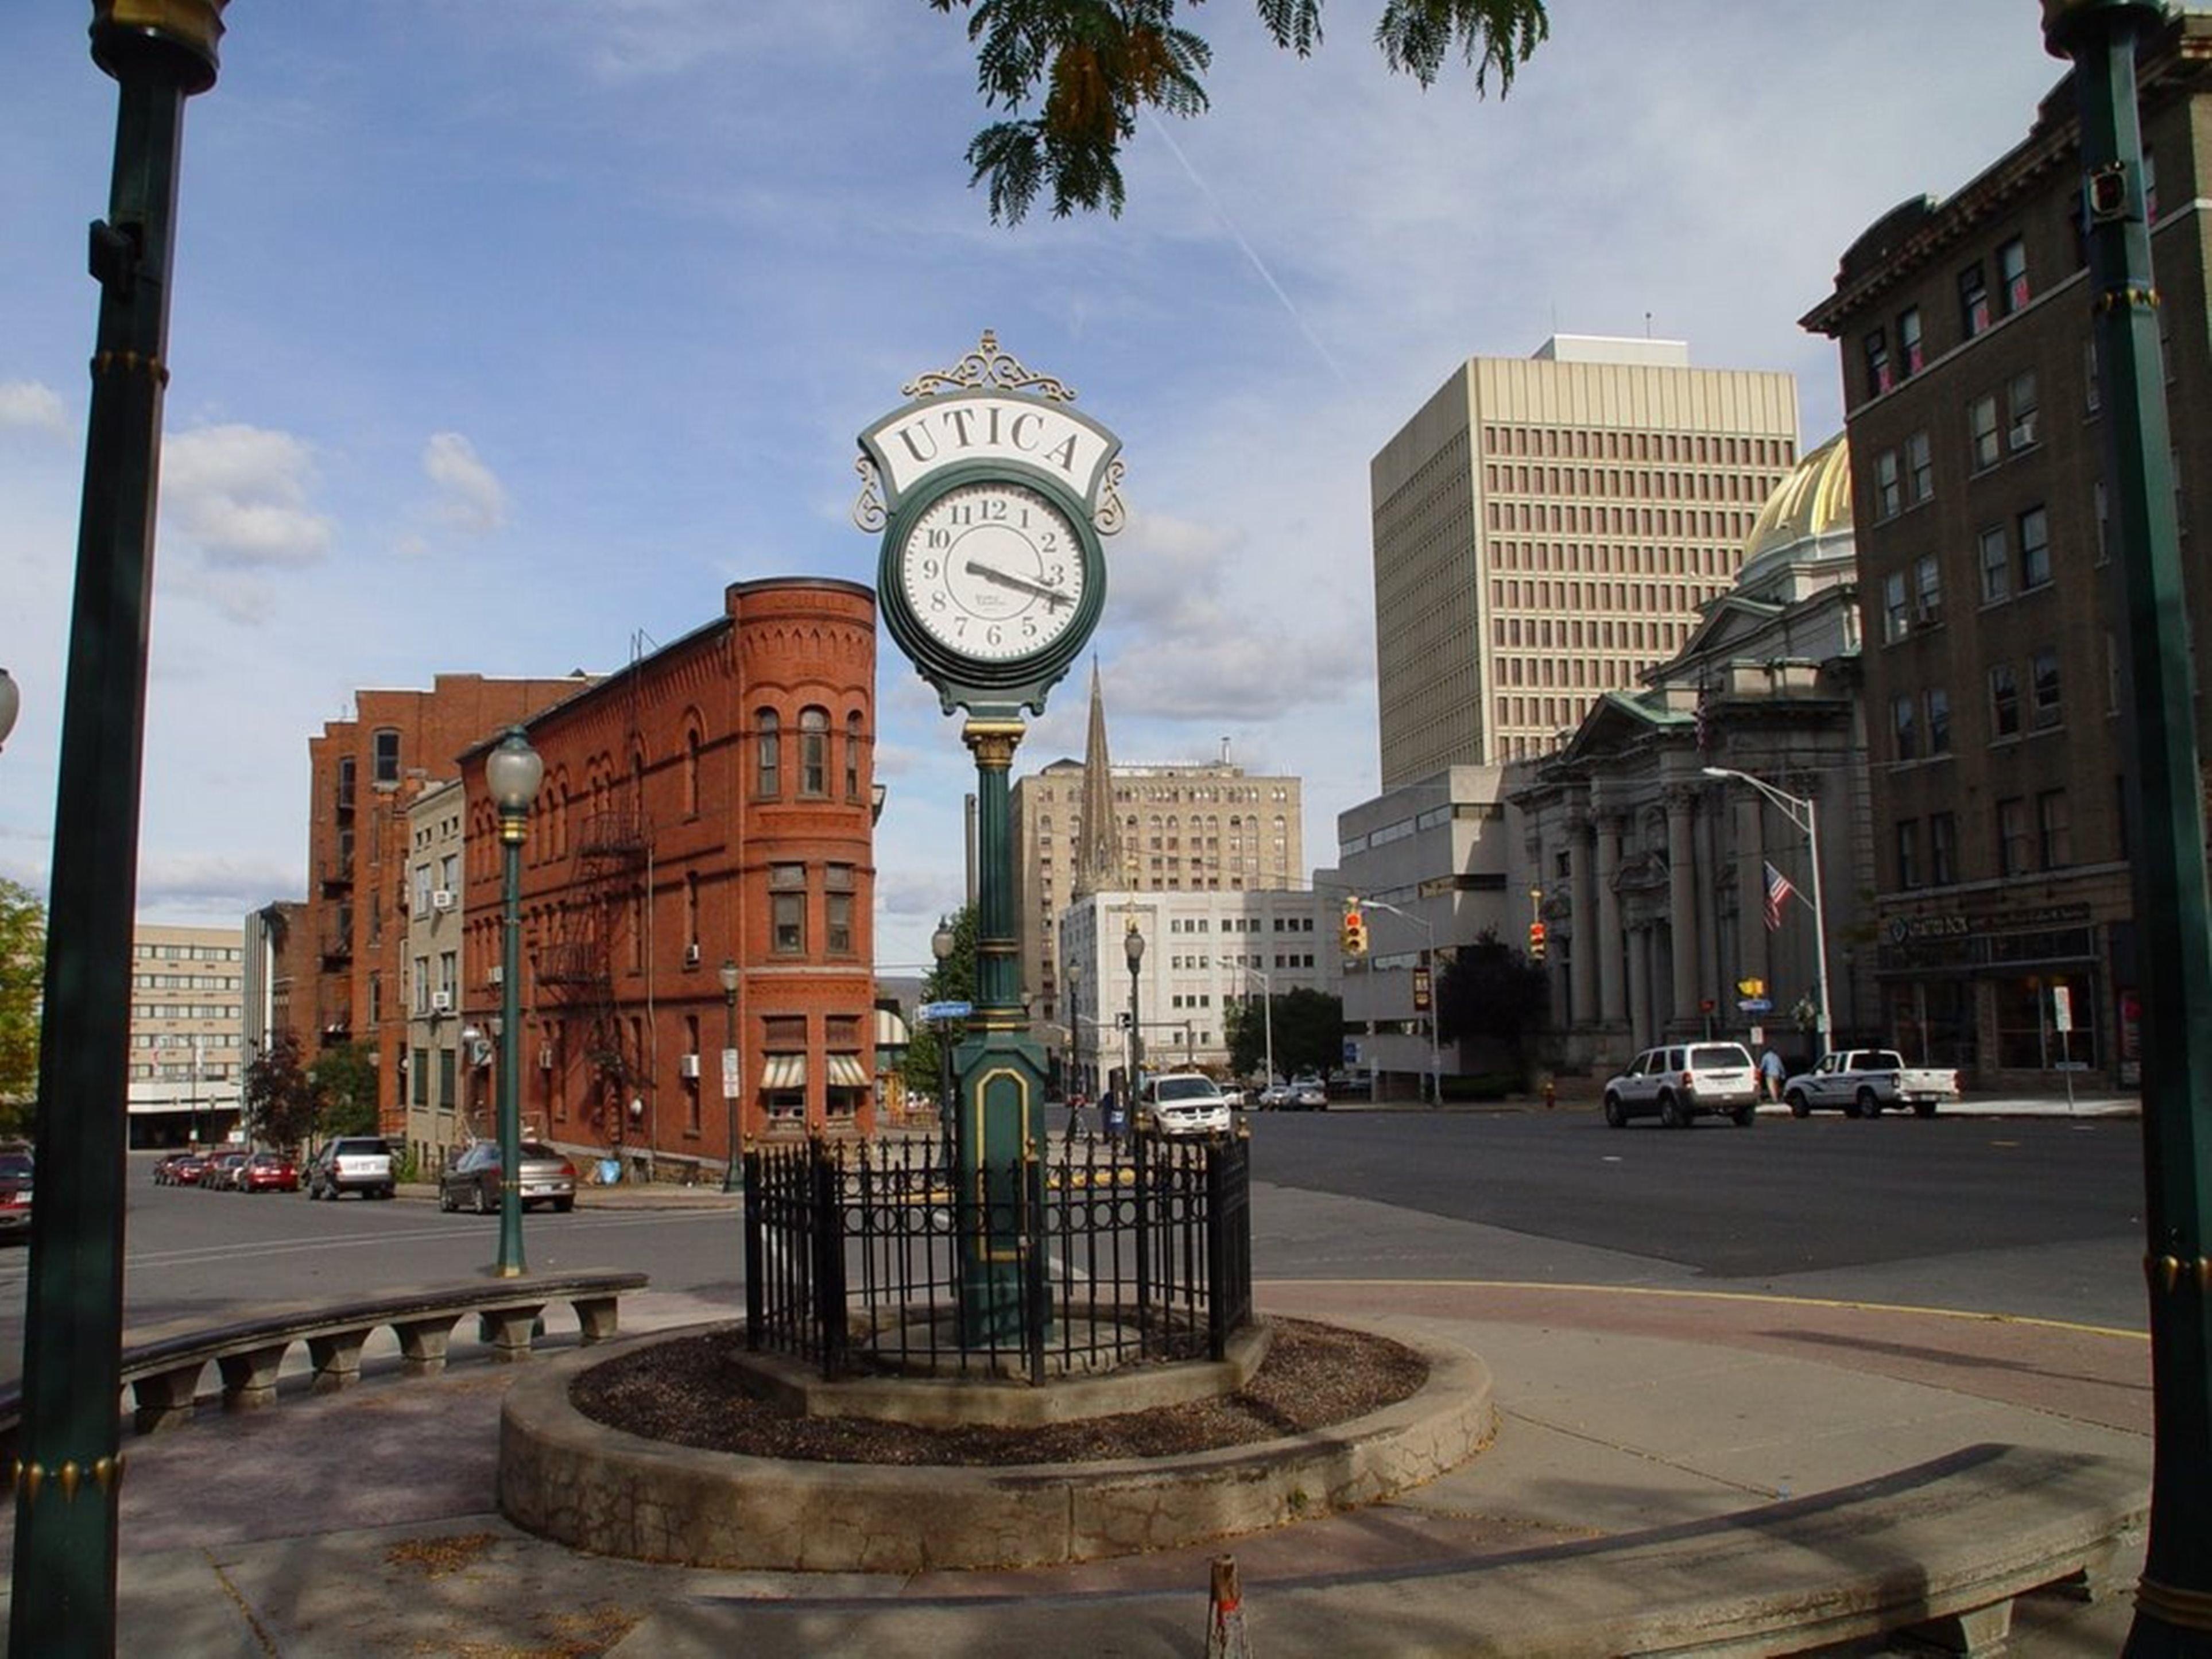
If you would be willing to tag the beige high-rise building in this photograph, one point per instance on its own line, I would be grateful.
(1545, 529)
(187, 1033)
(1200, 827)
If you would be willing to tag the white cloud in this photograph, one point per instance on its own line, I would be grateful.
(33, 407)
(241, 494)
(469, 497)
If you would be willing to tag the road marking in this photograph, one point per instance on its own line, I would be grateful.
(1726, 1296)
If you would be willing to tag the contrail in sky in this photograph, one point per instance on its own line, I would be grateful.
(1258, 264)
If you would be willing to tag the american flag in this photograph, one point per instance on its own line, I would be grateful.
(1779, 890)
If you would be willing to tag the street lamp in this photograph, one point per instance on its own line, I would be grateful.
(2160, 758)
(948, 1121)
(513, 772)
(1268, 984)
(728, 975)
(1799, 811)
(67, 1470)
(1133, 947)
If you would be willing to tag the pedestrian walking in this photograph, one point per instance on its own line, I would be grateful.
(1772, 1071)
(1075, 1125)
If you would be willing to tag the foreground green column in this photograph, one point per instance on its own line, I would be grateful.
(2173, 1605)
(69, 1467)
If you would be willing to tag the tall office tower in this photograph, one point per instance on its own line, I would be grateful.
(1545, 529)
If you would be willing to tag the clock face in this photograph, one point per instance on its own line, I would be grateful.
(992, 570)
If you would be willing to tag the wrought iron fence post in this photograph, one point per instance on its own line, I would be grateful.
(1138, 1143)
(1217, 1253)
(754, 1291)
(1037, 1306)
(828, 1242)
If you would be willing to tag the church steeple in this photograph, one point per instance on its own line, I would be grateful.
(1098, 859)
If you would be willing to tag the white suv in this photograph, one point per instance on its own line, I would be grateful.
(1679, 1082)
(1183, 1103)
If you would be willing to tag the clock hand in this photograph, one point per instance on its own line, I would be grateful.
(1021, 584)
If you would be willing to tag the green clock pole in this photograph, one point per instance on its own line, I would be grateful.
(69, 1467)
(1001, 1073)
(2173, 1601)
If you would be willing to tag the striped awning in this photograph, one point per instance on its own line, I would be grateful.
(782, 1072)
(846, 1071)
(891, 1030)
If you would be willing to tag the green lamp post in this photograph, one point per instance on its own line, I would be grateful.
(2173, 1601)
(732, 1173)
(513, 772)
(159, 52)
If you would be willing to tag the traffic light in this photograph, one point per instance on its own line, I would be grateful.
(1355, 931)
(1535, 941)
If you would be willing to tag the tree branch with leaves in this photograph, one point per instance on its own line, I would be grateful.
(1073, 76)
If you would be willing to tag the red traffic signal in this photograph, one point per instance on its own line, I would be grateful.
(1536, 940)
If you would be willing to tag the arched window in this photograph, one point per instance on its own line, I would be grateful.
(690, 771)
(852, 756)
(767, 754)
(813, 751)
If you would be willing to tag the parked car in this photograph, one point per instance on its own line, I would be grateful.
(1275, 1097)
(1863, 1081)
(268, 1172)
(1684, 1081)
(352, 1164)
(165, 1172)
(188, 1169)
(472, 1180)
(222, 1173)
(16, 1171)
(1183, 1103)
(1309, 1094)
(1233, 1094)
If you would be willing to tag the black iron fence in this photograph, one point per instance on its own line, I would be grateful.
(874, 1257)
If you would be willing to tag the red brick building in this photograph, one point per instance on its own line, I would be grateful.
(712, 803)
(365, 773)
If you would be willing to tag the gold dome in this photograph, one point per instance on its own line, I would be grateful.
(1815, 500)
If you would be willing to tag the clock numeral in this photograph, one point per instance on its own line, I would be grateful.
(930, 569)
(937, 600)
(993, 636)
(994, 509)
(1028, 628)
(938, 538)
(1055, 575)
(1047, 540)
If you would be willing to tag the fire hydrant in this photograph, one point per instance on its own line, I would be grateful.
(1551, 1092)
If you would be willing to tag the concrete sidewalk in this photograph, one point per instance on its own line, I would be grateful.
(363, 1524)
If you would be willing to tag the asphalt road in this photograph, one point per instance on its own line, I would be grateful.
(2037, 1219)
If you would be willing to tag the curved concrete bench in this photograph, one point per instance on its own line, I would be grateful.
(1940, 1550)
(162, 1368)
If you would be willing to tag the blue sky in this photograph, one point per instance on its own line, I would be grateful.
(505, 334)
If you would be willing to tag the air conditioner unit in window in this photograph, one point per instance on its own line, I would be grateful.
(442, 899)
(687, 1065)
(497, 973)
(441, 1002)
(1928, 615)
(690, 956)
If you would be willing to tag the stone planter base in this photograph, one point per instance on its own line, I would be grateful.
(595, 1488)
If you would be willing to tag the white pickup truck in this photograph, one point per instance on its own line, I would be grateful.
(1864, 1081)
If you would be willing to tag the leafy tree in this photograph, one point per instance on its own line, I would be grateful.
(22, 988)
(1089, 67)
(952, 980)
(344, 1079)
(280, 1100)
(1493, 1001)
(1309, 1033)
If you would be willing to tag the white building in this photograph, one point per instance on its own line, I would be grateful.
(1202, 953)
(187, 1033)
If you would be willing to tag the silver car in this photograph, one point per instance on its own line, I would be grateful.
(472, 1180)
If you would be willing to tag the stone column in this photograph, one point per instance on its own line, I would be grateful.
(1640, 1032)
(1581, 897)
(1611, 1010)
(1682, 905)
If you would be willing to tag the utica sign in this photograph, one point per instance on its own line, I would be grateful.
(931, 434)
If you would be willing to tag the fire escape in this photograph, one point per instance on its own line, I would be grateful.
(602, 931)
